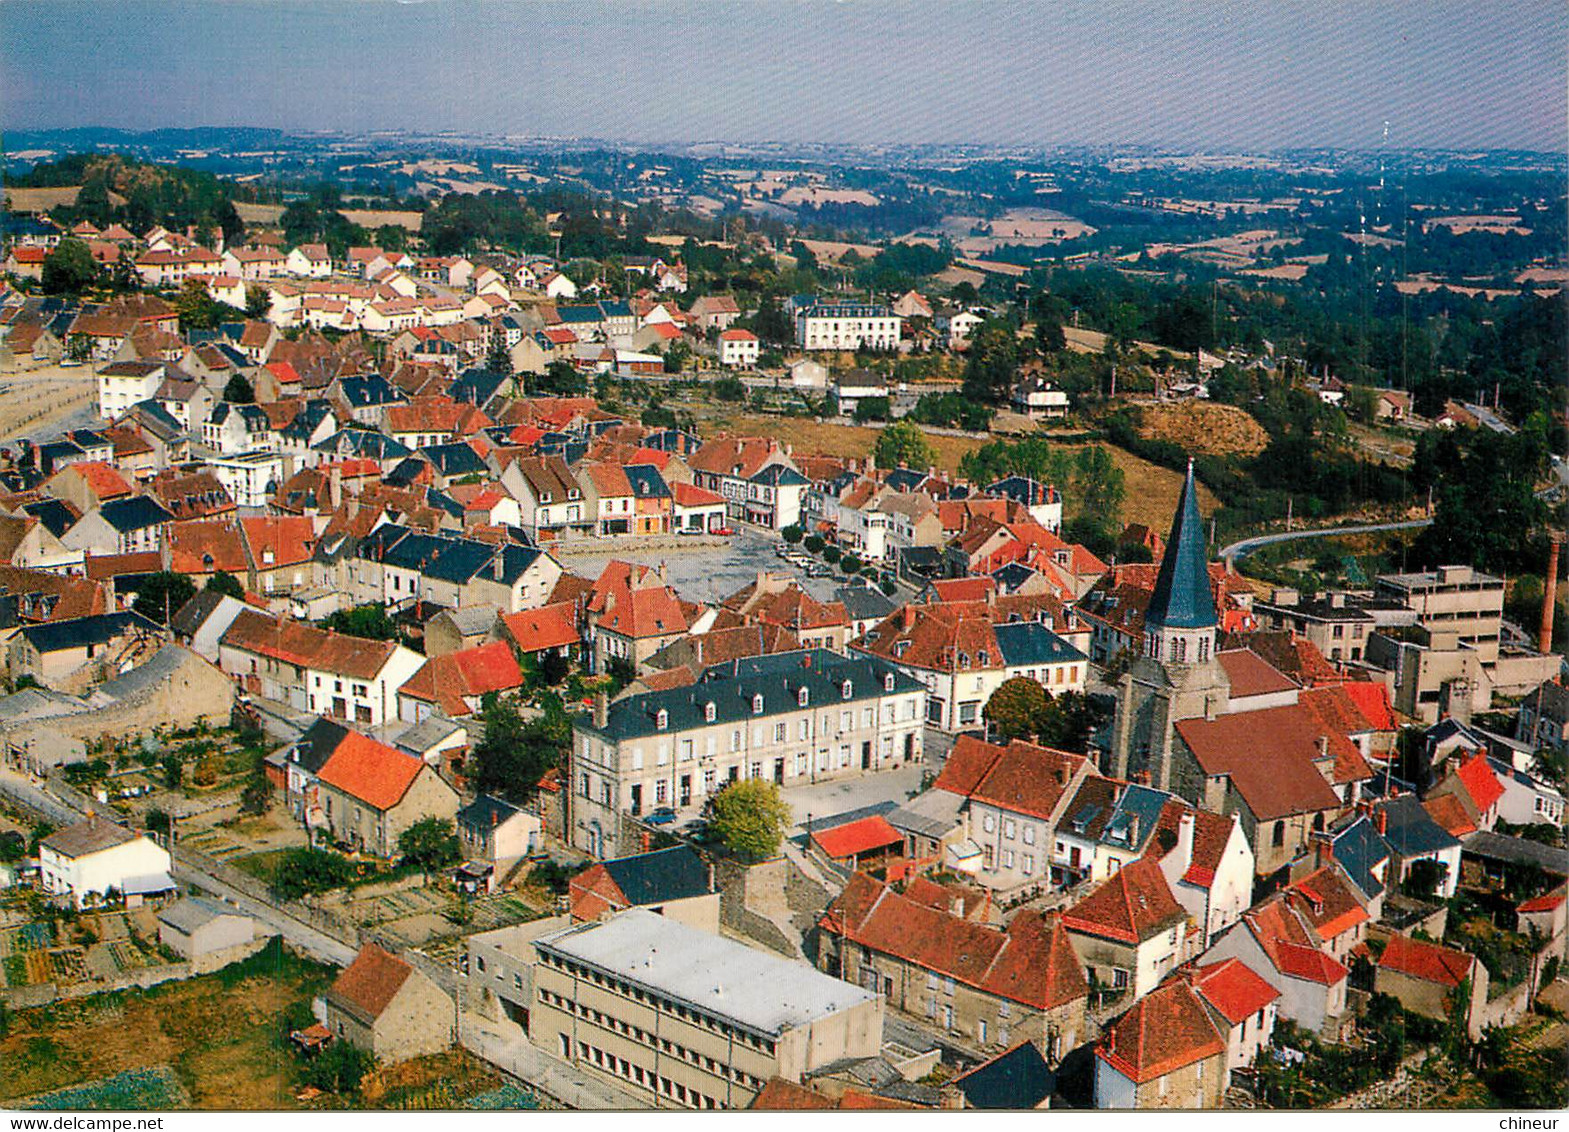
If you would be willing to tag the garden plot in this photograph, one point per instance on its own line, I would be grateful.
(134, 1090)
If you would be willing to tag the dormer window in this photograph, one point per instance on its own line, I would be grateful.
(964, 660)
(846, 689)
(899, 647)
(983, 657)
(709, 712)
(888, 681)
(544, 497)
(801, 697)
(661, 719)
(757, 704)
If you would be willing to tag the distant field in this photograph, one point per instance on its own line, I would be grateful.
(1152, 490)
(31, 398)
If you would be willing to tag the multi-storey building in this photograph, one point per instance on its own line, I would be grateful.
(689, 1019)
(847, 326)
(792, 718)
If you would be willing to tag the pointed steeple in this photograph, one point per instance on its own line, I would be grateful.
(1182, 597)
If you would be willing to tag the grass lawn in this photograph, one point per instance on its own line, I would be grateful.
(263, 866)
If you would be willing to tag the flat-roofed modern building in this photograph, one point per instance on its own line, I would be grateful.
(692, 1020)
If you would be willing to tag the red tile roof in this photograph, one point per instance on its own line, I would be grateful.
(964, 589)
(1269, 755)
(307, 646)
(1546, 902)
(1252, 675)
(1290, 945)
(290, 538)
(1234, 989)
(1028, 779)
(1324, 899)
(372, 772)
(689, 495)
(967, 764)
(1032, 962)
(1372, 700)
(451, 680)
(1211, 835)
(1480, 782)
(203, 546)
(1133, 905)
(1427, 961)
(369, 984)
(1164, 1031)
(867, 835)
(548, 627)
(103, 480)
(1450, 813)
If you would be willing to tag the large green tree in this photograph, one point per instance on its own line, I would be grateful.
(1016, 708)
(750, 818)
(514, 753)
(431, 843)
(993, 364)
(903, 442)
(69, 267)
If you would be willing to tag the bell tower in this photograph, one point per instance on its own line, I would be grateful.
(1176, 675)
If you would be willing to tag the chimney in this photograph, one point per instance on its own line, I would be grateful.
(1185, 826)
(1544, 639)
(956, 905)
(601, 709)
(1382, 821)
(335, 486)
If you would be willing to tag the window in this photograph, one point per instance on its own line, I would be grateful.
(846, 690)
(1029, 835)
(1029, 864)
(804, 729)
(779, 732)
(1278, 838)
(1008, 828)
(757, 705)
(735, 739)
(1007, 858)
(709, 711)
(988, 821)
(802, 698)
(661, 719)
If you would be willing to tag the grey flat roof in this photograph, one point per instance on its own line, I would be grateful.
(932, 814)
(741, 985)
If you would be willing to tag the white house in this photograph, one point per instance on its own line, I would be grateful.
(846, 326)
(738, 349)
(88, 860)
(123, 384)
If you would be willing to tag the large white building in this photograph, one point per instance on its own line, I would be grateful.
(123, 384)
(87, 861)
(847, 326)
(792, 718)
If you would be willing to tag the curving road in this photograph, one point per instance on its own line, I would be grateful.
(1244, 547)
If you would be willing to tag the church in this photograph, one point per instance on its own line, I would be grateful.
(1225, 730)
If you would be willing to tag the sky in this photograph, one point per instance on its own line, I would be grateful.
(1248, 74)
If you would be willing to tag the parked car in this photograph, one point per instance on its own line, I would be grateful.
(664, 815)
(724, 532)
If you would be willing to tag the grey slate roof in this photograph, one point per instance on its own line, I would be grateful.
(1358, 848)
(1411, 831)
(1016, 1079)
(1516, 850)
(484, 812)
(1182, 598)
(777, 475)
(134, 513)
(79, 632)
(864, 602)
(312, 750)
(668, 874)
(731, 687)
(193, 912)
(1031, 643)
(426, 734)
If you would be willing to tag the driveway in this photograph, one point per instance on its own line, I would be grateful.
(828, 799)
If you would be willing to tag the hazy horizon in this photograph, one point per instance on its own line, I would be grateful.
(1246, 76)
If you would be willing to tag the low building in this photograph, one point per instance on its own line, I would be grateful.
(495, 836)
(1165, 1052)
(674, 882)
(1242, 1006)
(370, 794)
(382, 1005)
(1130, 932)
(987, 986)
(738, 349)
(95, 860)
(689, 1020)
(1426, 977)
(207, 934)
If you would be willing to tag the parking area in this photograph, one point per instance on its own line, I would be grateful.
(710, 574)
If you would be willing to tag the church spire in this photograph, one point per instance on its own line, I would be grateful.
(1182, 606)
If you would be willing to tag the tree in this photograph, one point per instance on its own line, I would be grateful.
(197, 309)
(13, 846)
(561, 379)
(792, 534)
(162, 595)
(513, 754)
(238, 391)
(993, 364)
(431, 843)
(1015, 708)
(498, 359)
(730, 389)
(69, 267)
(340, 1068)
(369, 620)
(173, 771)
(871, 409)
(677, 354)
(1069, 721)
(257, 301)
(227, 584)
(1424, 878)
(750, 818)
(306, 869)
(903, 443)
(256, 798)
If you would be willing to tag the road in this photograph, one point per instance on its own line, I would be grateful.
(1244, 547)
(573, 1087)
